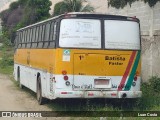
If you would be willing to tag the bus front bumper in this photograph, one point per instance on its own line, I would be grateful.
(97, 94)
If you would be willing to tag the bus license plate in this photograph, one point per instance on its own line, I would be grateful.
(101, 83)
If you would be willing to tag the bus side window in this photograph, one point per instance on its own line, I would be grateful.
(26, 38)
(34, 38)
(30, 37)
(23, 39)
(46, 38)
(43, 33)
(37, 36)
(40, 43)
(20, 40)
(55, 31)
(28, 42)
(51, 41)
(16, 40)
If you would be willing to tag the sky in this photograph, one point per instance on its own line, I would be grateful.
(4, 4)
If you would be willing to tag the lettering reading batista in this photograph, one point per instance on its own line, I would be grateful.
(115, 60)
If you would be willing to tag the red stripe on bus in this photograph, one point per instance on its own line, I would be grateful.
(121, 85)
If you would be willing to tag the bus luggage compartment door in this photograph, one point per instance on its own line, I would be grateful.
(95, 71)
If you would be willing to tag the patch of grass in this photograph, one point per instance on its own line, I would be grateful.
(6, 70)
(92, 104)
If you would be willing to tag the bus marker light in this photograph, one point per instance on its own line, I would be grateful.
(69, 16)
(132, 18)
(65, 77)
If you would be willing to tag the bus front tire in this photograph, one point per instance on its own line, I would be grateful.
(40, 99)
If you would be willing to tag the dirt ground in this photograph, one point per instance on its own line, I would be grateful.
(14, 99)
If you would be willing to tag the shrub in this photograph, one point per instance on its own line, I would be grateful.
(150, 94)
(6, 61)
(154, 83)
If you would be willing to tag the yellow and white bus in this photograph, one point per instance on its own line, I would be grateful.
(80, 55)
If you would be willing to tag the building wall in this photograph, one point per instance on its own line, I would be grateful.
(150, 34)
(101, 6)
(149, 17)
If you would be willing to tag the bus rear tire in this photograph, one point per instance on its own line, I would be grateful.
(40, 99)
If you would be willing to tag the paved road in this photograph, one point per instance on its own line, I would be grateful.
(14, 99)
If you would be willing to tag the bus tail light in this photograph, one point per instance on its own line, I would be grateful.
(65, 77)
(64, 72)
(135, 78)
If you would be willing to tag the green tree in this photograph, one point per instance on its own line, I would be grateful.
(72, 6)
(22, 13)
(36, 10)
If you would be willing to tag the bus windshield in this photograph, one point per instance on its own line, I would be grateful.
(122, 34)
(80, 33)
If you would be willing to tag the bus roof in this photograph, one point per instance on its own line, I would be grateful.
(84, 14)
